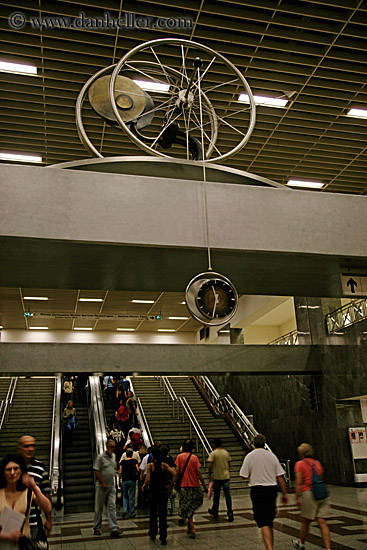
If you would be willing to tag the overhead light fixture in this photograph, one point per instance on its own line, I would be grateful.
(265, 101)
(126, 329)
(183, 303)
(38, 328)
(152, 86)
(143, 301)
(166, 330)
(90, 299)
(41, 298)
(20, 158)
(82, 328)
(18, 68)
(357, 113)
(178, 318)
(308, 184)
(1, 326)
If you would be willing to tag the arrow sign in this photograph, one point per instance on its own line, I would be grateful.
(352, 283)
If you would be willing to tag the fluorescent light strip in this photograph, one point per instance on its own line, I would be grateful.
(265, 101)
(21, 158)
(126, 329)
(357, 113)
(166, 330)
(90, 299)
(82, 328)
(18, 68)
(309, 184)
(1, 326)
(152, 86)
(38, 328)
(178, 318)
(143, 301)
(41, 298)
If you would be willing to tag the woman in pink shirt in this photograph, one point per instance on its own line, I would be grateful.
(191, 495)
(311, 509)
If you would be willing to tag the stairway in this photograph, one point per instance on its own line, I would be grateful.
(78, 477)
(30, 414)
(4, 386)
(170, 430)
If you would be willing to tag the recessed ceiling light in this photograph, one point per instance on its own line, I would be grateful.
(166, 330)
(82, 328)
(178, 318)
(265, 101)
(143, 301)
(18, 68)
(152, 86)
(309, 184)
(1, 326)
(90, 299)
(183, 303)
(357, 113)
(38, 328)
(21, 158)
(42, 298)
(126, 329)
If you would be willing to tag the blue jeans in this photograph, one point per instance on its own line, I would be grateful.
(128, 496)
(107, 497)
(217, 485)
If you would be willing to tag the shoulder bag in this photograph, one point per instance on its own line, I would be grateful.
(319, 489)
(179, 479)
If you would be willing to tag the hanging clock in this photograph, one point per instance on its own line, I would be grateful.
(211, 298)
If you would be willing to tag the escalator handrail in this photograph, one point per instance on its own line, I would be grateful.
(96, 415)
(56, 436)
(8, 400)
(147, 436)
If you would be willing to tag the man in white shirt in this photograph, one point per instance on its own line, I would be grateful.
(264, 471)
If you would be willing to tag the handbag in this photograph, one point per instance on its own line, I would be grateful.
(38, 543)
(319, 489)
(179, 479)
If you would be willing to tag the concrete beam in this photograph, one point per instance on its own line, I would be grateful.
(80, 229)
(45, 359)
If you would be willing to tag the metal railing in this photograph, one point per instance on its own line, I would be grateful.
(346, 316)
(227, 405)
(145, 431)
(56, 466)
(289, 339)
(181, 409)
(8, 401)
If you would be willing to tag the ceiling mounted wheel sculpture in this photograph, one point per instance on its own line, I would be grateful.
(172, 98)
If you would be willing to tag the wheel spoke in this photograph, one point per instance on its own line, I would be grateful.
(207, 90)
(169, 121)
(162, 67)
(148, 76)
(183, 67)
(206, 135)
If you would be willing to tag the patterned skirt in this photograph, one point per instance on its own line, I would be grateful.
(191, 498)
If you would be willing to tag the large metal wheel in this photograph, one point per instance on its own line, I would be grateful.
(200, 103)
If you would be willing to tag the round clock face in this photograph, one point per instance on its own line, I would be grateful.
(216, 299)
(211, 298)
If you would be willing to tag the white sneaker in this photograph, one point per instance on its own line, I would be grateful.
(298, 544)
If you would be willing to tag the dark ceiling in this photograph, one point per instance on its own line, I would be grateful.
(314, 52)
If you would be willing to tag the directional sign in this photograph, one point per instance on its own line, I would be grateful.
(353, 284)
(93, 316)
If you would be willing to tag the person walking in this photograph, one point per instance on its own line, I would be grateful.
(191, 496)
(219, 463)
(157, 481)
(311, 509)
(26, 448)
(264, 470)
(129, 471)
(105, 473)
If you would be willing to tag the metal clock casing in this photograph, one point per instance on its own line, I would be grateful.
(211, 298)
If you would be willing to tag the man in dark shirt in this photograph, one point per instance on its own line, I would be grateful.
(26, 447)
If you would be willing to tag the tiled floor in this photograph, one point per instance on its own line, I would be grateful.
(348, 528)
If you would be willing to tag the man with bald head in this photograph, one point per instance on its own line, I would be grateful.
(26, 447)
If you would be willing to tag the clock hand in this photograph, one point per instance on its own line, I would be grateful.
(215, 301)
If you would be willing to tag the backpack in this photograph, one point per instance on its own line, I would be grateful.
(319, 489)
(136, 439)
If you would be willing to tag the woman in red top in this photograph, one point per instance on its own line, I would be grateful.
(122, 416)
(311, 509)
(191, 496)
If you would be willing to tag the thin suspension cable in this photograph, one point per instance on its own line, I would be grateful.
(204, 176)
